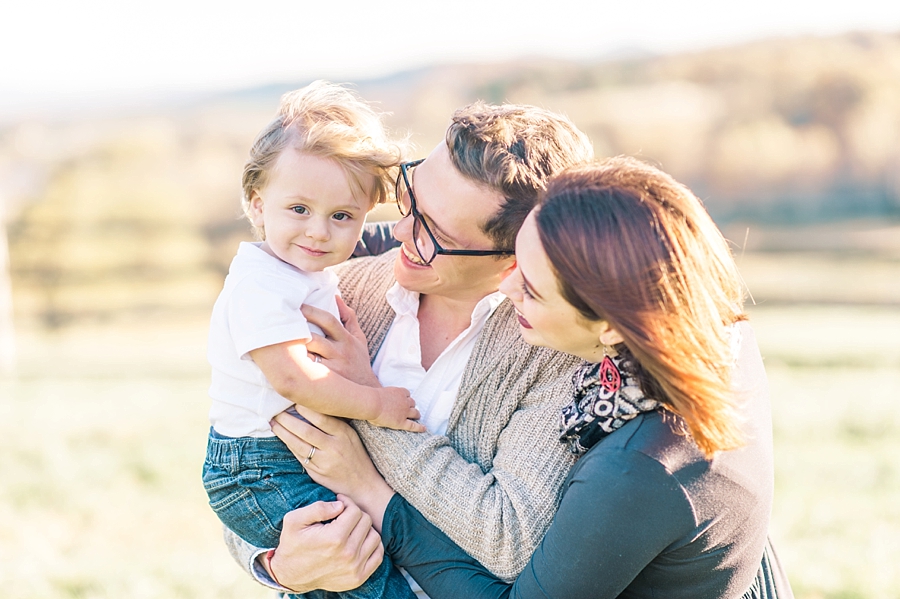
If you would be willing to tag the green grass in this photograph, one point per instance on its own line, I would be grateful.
(102, 495)
(102, 437)
(834, 374)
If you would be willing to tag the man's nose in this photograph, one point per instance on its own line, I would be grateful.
(403, 229)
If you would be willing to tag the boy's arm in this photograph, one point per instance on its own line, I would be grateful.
(289, 369)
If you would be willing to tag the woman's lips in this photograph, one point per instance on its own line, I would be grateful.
(522, 321)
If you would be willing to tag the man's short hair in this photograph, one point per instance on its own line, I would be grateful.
(513, 150)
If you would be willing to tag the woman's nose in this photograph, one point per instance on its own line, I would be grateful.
(510, 287)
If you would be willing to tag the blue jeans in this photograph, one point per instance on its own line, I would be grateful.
(253, 482)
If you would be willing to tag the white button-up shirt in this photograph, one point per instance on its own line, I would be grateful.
(398, 362)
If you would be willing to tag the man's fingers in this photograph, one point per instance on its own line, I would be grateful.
(414, 427)
(348, 316)
(320, 346)
(375, 557)
(326, 424)
(300, 428)
(320, 511)
(300, 448)
(326, 321)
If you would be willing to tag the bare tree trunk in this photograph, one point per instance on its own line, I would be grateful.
(7, 331)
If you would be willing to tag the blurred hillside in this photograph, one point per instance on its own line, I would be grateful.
(121, 227)
(135, 217)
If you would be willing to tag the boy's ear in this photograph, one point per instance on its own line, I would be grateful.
(256, 209)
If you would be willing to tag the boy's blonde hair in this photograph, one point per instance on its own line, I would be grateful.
(326, 120)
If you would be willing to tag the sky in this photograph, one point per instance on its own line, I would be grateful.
(59, 53)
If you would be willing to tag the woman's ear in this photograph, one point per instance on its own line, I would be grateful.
(608, 335)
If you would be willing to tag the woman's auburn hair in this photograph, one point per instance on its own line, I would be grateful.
(632, 246)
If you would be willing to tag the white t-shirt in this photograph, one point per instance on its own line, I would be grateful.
(259, 306)
(398, 363)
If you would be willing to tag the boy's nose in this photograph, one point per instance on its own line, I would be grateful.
(318, 230)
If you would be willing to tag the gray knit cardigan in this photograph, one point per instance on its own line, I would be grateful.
(492, 484)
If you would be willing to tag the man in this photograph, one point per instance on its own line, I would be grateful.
(489, 472)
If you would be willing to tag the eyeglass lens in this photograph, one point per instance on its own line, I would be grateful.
(405, 200)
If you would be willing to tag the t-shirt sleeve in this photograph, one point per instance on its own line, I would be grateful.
(264, 309)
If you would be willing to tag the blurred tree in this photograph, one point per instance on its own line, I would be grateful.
(7, 330)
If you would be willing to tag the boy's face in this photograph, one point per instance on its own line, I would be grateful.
(310, 214)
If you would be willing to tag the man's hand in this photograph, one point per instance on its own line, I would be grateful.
(334, 457)
(343, 349)
(335, 556)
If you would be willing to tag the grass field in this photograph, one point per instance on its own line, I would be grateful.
(102, 435)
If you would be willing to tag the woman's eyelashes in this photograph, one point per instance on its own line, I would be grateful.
(525, 291)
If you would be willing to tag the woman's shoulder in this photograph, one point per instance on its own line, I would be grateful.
(635, 458)
(650, 448)
(660, 443)
(659, 435)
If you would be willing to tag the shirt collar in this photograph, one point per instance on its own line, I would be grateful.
(406, 303)
(256, 257)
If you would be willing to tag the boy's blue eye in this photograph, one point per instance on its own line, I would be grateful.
(341, 216)
(300, 209)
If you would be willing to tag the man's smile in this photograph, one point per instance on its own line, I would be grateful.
(412, 256)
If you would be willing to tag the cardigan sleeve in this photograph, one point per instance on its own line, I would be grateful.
(616, 515)
(498, 511)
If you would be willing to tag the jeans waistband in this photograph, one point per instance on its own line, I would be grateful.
(246, 451)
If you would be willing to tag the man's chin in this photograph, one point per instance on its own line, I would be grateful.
(410, 276)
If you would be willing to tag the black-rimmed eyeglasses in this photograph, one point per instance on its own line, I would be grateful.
(427, 245)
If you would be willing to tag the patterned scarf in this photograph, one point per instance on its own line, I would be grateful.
(607, 395)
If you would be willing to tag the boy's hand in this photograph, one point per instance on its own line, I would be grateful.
(398, 410)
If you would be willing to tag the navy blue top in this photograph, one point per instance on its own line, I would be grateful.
(643, 514)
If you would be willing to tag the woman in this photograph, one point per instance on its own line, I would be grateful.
(621, 266)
